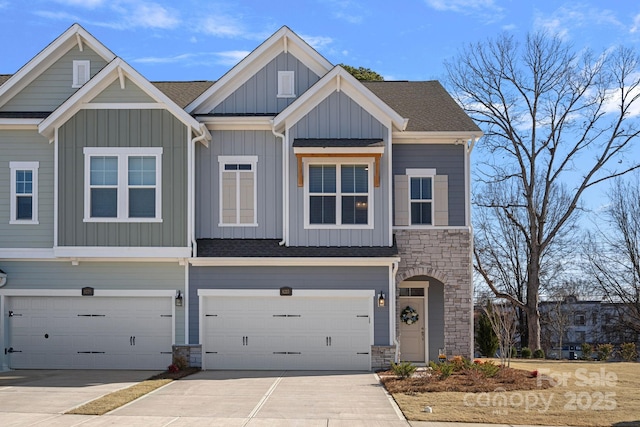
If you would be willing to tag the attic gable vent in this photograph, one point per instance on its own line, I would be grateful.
(81, 71)
(286, 80)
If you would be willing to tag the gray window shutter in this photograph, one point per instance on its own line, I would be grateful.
(401, 202)
(441, 200)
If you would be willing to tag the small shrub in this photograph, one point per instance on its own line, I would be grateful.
(173, 368)
(488, 369)
(403, 369)
(538, 354)
(460, 363)
(605, 351)
(587, 349)
(526, 353)
(514, 352)
(478, 362)
(444, 369)
(180, 362)
(629, 352)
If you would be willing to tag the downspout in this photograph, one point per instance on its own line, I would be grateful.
(392, 307)
(467, 160)
(203, 136)
(285, 182)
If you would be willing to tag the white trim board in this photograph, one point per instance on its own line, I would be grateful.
(77, 293)
(248, 293)
(292, 261)
(82, 252)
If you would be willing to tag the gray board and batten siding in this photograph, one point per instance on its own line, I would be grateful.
(131, 93)
(54, 86)
(339, 117)
(268, 149)
(26, 146)
(125, 276)
(322, 278)
(123, 128)
(447, 160)
(258, 95)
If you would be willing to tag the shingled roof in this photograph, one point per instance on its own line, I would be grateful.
(427, 105)
(4, 78)
(182, 93)
(243, 248)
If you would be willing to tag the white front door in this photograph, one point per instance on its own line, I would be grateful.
(412, 336)
(286, 332)
(54, 332)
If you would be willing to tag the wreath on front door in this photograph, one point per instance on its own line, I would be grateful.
(409, 315)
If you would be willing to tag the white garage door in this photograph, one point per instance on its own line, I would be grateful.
(89, 332)
(313, 333)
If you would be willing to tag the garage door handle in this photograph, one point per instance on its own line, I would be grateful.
(328, 339)
(11, 350)
(132, 340)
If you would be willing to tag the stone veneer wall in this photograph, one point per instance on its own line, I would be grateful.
(382, 356)
(443, 254)
(192, 354)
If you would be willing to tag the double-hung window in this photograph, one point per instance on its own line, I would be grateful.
(24, 192)
(123, 184)
(421, 200)
(238, 191)
(339, 195)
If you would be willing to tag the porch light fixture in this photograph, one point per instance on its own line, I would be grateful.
(3, 278)
(381, 299)
(179, 299)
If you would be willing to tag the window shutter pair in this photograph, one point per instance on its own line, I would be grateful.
(440, 200)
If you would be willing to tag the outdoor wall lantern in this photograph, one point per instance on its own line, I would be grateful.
(3, 278)
(179, 299)
(381, 299)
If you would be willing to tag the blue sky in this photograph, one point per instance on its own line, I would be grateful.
(402, 40)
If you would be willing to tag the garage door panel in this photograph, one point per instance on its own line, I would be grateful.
(286, 332)
(90, 332)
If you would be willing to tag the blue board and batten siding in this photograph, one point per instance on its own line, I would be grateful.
(26, 146)
(258, 95)
(338, 116)
(268, 149)
(123, 128)
(447, 160)
(115, 276)
(54, 85)
(324, 278)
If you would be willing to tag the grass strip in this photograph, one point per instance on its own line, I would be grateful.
(116, 399)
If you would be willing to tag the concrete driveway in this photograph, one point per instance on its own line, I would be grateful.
(212, 398)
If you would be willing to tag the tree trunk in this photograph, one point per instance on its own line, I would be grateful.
(533, 299)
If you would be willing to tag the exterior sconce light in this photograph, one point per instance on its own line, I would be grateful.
(3, 278)
(381, 299)
(179, 299)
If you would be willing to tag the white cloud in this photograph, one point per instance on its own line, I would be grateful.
(566, 19)
(636, 24)
(228, 58)
(222, 26)
(152, 15)
(509, 27)
(231, 57)
(3, 4)
(317, 42)
(164, 60)
(488, 10)
(88, 4)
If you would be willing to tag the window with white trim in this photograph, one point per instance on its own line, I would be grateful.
(238, 191)
(123, 184)
(24, 192)
(338, 194)
(421, 200)
(81, 72)
(286, 84)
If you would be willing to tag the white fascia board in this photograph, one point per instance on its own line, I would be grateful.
(26, 253)
(19, 124)
(339, 80)
(338, 150)
(435, 137)
(106, 76)
(292, 261)
(50, 54)
(82, 252)
(248, 293)
(236, 123)
(255, 61)
(77, 293)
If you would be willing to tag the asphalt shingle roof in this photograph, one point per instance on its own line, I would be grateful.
(248, 248)
(4, 78)
(183, 93)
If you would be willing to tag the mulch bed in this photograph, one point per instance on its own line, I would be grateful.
(469, 381)
(167, 375)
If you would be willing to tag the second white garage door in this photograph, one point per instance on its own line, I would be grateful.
(61, 332)
(286, 332)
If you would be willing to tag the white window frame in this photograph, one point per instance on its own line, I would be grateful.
(123, 155)
(230, 160)
(338, 162)
(422, 173)
(286, 84)
(79, 78)
(24, 166)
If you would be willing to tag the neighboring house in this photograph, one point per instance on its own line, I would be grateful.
(286, 216)
(584, 321)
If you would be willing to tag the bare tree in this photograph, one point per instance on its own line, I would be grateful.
(556, 123)
(613, 252)
(503, 321)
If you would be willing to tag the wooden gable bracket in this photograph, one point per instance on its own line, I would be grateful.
(376, 156)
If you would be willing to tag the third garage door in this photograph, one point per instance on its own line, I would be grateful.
(292, 332)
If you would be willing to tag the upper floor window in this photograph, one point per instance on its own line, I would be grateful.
(286, 84)
(421, 198)
(123, 184)
(81, 72)
(24, 192)
(338, 195)
(238, 190)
